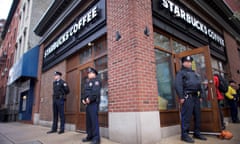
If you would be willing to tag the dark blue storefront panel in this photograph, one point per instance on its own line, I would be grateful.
(25, 109)
(27, 66)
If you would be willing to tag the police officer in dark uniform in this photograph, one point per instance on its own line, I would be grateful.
(59, 89)
(189, 90)
(91, 99)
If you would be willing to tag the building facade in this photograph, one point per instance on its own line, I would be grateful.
(22, 69)
(7, 51)
(136, 46)
(2, 23)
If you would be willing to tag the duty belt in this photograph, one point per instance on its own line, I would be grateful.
(58, 97)
(190, 94)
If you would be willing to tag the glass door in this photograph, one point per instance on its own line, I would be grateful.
(210, 120)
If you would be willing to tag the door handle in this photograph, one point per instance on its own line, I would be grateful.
(210, 81)
(211, 92)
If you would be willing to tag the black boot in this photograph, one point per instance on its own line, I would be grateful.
(187, 139)
(51, 131)
(199, 137)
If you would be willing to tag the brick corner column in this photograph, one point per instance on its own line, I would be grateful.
(133, 97)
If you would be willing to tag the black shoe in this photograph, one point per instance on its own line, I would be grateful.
(52, 131)
(187, 139)
(199, 137)
(61, 132)
(95, 142)
(86, 140)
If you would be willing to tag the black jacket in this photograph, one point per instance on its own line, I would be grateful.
(92, 90)
(59, 89)
(187, 81)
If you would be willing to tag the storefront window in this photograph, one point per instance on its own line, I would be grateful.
(166, 96)
(162, 41)
(101, 66)
(100, 48)
(199, 66)
(218, 68)
(85, 55)
(214, 63)
(178, 47)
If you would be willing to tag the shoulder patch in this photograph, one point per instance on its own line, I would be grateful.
(90, 84)
(96, 82)
(64, 84)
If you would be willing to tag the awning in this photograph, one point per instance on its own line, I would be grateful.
(27, 66)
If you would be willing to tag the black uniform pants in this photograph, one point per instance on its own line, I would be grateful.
(191, 106)
(58, 110)
(234, 110)
(92, 122)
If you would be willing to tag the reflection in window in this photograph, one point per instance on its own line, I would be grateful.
(166, 95)
(178, 47)
(219, 68)
(100, 48)
(198, 65)
(101, 66)
(162, 41)
(159, 54)
(85, 55)
(214, 63)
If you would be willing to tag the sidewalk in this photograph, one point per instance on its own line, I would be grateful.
(19, 133)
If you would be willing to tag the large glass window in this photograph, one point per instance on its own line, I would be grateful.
(165, 48)
(85, 55)
(100, 48)
(96, 53)
(162, 41)
(178, 47)
(101, 66)
(166, 97)
(219, 68)
(199, 66)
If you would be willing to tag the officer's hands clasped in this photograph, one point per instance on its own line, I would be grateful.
(87, 101)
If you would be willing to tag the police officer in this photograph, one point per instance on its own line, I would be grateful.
(233, 98)
(91, 99)
(59, 88)
(188, 86)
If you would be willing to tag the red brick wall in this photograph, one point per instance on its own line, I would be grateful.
(8, 45)
(233, 57)
(131, 60)
(233, 4)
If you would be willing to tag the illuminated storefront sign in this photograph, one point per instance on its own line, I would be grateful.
(74, 28)
(192, 20)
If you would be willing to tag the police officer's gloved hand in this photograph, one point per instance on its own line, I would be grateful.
(235, 98)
